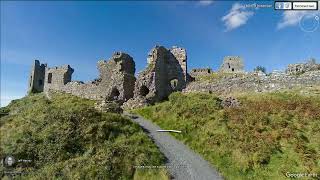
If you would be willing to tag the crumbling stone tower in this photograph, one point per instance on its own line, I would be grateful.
(166, 72)
(181, 55)
(117, 76)
(232, 64)
(57, 77)
(36, 79)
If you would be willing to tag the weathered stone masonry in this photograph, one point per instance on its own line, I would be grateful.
(200, 72)
(260, 82)
(232, 64)
(115, 82)
(165, 73)
(36, 79)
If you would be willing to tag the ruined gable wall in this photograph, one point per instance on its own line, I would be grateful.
(163, 75)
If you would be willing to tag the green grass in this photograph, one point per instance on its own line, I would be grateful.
(266, 137)
(68, 139)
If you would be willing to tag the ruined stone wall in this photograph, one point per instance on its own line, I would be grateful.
(166, 72)
(301, 68)
(116, 80)
(36, 79)
(232, 64)
(200, 72)
(256, 82)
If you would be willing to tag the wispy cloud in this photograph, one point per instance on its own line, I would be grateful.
(292, 18)
(205, 2)
(237, 16)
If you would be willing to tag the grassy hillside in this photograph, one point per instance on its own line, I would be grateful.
(68, 139)
(268, 136)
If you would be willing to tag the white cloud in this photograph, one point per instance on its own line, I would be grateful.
(236, 17)
(205, 2)
(292, 18)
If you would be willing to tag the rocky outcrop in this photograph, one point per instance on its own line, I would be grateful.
(108, 106)
(230, 102)
(136, 102)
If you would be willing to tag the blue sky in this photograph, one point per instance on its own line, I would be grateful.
(81, 33)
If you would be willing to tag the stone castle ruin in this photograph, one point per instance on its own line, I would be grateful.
(166, 72)
(115, 82)
(232, 64)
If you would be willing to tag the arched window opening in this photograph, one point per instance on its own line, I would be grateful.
(174, 84)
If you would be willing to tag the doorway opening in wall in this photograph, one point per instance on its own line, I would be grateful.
(49, 77)
(114, 94)
(232, 69)
(144, 90)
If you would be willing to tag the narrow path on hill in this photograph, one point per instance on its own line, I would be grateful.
(182, 162)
